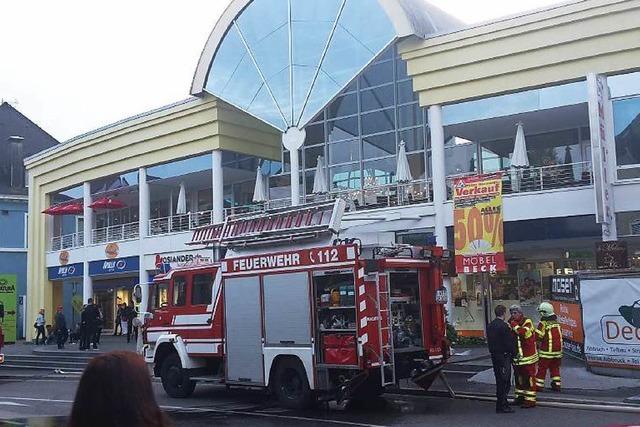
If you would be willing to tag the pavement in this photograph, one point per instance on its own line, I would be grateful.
(47, 401)
(107, 343)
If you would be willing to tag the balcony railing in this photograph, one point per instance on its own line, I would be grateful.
(115, 233)
(68, 241)
(540, 178)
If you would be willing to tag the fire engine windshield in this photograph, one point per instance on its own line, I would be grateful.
(406, 311)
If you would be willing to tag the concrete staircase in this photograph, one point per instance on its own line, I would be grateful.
(65, 361)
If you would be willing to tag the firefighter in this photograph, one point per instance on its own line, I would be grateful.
(550, 347)
(526, 358)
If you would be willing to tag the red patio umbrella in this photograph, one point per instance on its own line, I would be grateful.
(107, 203)
(73, 208)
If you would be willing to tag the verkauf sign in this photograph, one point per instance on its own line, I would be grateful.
(478, 224)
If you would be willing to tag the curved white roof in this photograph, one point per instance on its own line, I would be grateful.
(284, 60)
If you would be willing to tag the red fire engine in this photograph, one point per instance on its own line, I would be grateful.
(293, 308)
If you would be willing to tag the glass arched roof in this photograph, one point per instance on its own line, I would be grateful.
(283, 60)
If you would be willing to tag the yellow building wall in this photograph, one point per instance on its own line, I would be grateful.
(555, 45)
(194, 127)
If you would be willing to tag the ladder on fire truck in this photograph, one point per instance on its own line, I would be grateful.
(385, 331)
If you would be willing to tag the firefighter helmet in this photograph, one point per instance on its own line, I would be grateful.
(545, 309)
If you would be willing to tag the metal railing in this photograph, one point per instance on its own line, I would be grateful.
(539, 178)
(68, 241)
(115, 233)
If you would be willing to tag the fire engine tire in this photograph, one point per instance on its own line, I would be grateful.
(291, 386)
(175, 380)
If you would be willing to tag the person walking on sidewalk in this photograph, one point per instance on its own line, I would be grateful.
(502, 347)
(550, 347)
(130, 315)
(116, 324)
(39, 325)
(60, 328)
(526, 357)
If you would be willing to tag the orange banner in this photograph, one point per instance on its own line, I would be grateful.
(478, 224)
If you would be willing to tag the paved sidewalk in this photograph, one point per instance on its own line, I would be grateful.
(107, 343)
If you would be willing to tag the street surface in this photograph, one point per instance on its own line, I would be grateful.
(51, 395)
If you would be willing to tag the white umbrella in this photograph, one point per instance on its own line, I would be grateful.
(181, 207)
(259, 193)
(403, 172)
(320, 178)
(519, 159)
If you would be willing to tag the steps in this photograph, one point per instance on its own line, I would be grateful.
(66, 361)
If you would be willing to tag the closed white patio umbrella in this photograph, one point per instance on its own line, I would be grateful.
(259, 193)
(403, 171)
(181, 207)
(320, 178)
(519, 159)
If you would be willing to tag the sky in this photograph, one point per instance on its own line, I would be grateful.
(75, 65)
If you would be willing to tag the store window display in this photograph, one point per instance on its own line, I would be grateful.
(468, 309)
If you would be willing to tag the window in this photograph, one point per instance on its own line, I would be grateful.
(378, 98)
(160, 297)
(343, 152)
(202, 289)
(626, 118)
(380, 121)
(179, 291)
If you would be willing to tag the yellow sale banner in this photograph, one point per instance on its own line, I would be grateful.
(478, 224)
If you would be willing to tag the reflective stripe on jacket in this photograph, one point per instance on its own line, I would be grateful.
(550, 335)
(526, 343)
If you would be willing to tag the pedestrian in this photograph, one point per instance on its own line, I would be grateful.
(116, 324)
(526, 357)
(89, 318)
(115, 391)
(60, 328)
(99, 325)
(549, 348)
(502, 347)
(131, 314)
(124, 322)
(39, 325)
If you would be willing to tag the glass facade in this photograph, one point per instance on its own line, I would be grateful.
(283, 61)
(480, 136)
(359, 131)
(626, 117)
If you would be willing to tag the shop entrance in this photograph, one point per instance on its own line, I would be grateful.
(108, 295)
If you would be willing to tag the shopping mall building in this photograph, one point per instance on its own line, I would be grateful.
(350, 82)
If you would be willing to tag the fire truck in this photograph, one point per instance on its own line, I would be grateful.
(294, 308)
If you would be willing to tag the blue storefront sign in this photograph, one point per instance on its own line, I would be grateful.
(64, 272)
(114, 266)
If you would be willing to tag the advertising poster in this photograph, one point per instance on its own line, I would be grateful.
(570, 319)
(611, 316)
(8, 311)
(478, 224)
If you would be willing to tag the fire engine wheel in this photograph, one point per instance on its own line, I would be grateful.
(291, 386)
(175, 380)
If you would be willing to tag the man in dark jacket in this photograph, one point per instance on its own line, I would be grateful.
(60, 328)
(89, 319)
(502, 347)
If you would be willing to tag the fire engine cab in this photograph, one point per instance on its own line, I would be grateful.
(294, 308)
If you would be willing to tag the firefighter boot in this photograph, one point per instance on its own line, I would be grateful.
(528, 404)
(556, 386)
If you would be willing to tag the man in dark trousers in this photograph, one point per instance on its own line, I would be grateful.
(60, 325)
(89, 319)
(502, 347)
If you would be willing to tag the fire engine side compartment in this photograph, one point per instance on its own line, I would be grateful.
(243, 320)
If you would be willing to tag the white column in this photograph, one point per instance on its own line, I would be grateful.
(144, 209)
(295, 177)
(438, 179)
(87, 282)
(88, 213)
(218, 186)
